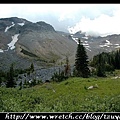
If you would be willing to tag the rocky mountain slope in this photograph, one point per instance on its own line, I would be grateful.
(22, 40)
(95, 45)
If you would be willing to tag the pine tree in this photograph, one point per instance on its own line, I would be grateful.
(81, 62)
(117, 59)
(100, 71)
(10, 77)
(67, 67)
(32, 67)
(100, 67)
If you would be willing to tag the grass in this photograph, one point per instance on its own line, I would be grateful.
(70, 95)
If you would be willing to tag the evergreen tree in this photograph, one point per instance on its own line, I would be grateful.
(117, 59)
(67, 68)
(32, 68)
(100, 67)
(10, 77)
(100, 71)
(81, 62)
(2, 76)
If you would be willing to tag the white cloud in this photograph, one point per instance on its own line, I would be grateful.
(94, 19)
(62, 11)
(102, 25)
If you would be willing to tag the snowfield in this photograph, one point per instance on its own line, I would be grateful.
(11, 45)
(1, 50)
(8, 27)
(13, 24)
(21, 24)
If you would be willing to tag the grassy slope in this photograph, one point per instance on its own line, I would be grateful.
(68, 96)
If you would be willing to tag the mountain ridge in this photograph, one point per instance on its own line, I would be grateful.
(40, 41)
(34, 40)
(23, 42)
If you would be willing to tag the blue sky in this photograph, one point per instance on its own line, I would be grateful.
(94, 19)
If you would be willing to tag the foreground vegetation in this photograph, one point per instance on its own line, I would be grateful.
(71, 95)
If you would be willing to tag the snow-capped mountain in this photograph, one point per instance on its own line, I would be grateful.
(95, 45)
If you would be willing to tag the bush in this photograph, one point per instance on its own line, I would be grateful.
(58, 77)
(109, 68)
(100, 72)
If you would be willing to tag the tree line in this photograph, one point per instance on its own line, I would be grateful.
(106, 62)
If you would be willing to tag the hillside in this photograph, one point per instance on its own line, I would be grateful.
(71, 95)
(96, 45)
(22, 40)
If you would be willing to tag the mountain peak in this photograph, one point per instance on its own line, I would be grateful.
(14, 19)
(45, 26)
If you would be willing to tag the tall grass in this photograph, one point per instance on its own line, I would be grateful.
(70, 95)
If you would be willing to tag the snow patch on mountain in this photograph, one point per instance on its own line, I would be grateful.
(21, 24)
(13, 24)
(116, 44)
(75, 39)
(107, 44)
(1, 51)
(85, 37)
(8, 27)
(117, 47)
(11, 45)
(86, 41)
(104, 45)
(88, 49)
(86, 45)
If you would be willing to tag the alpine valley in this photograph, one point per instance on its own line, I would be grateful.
(23, 42)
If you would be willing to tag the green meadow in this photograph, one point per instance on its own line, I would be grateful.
(71, 95)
